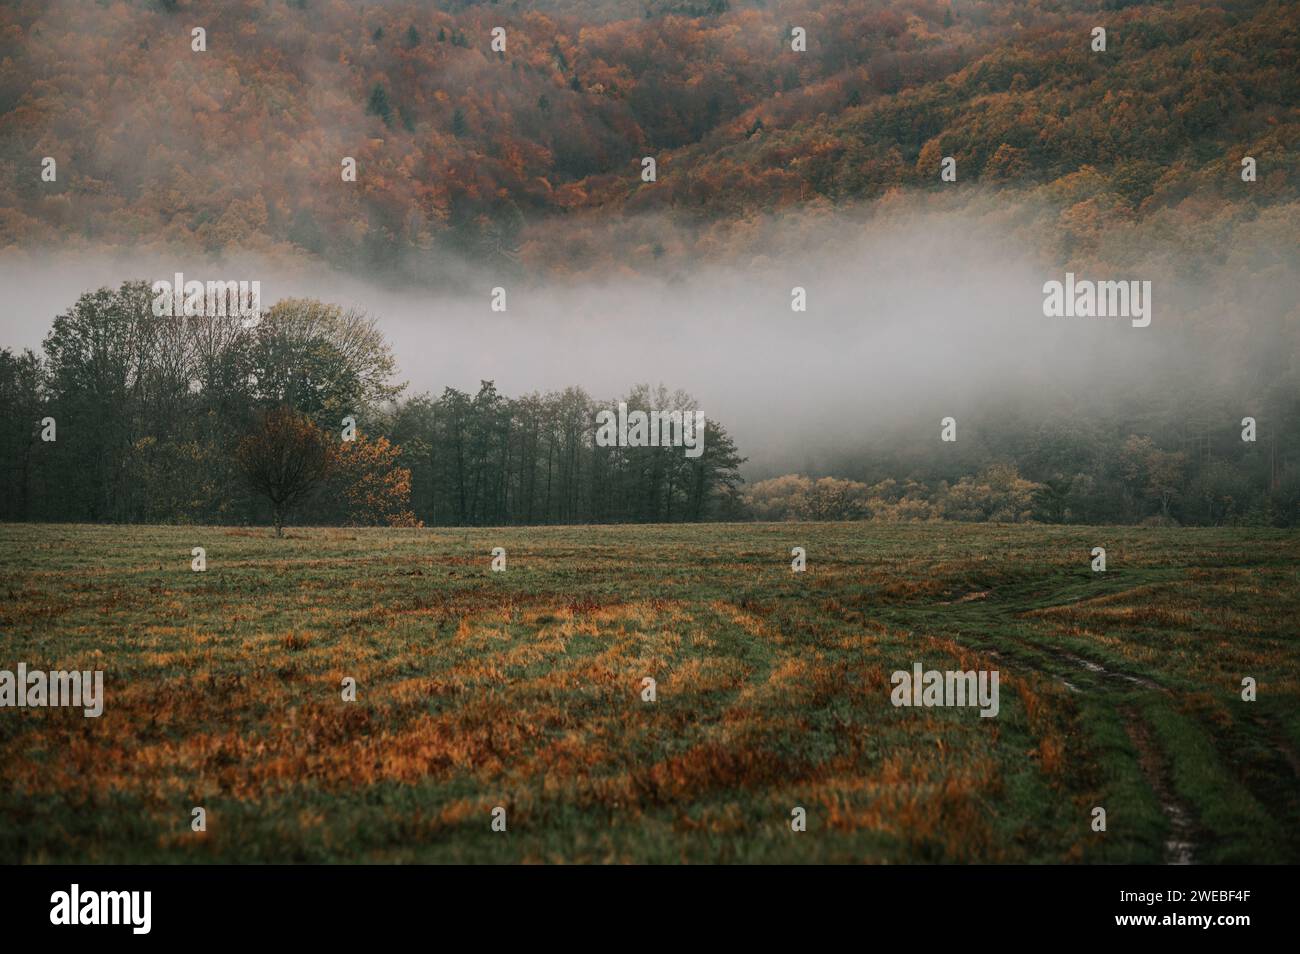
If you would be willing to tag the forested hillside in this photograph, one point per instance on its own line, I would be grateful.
(460, 148)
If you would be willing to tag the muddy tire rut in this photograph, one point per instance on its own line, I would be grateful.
(1182, 842)
(1184, 839)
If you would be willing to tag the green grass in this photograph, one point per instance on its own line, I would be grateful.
(522, 689)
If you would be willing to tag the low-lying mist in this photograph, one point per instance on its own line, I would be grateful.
(906, 322)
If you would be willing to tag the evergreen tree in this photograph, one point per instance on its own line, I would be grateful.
(379, 105)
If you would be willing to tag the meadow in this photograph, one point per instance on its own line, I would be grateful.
(523, 689)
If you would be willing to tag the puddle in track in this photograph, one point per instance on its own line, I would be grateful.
(1100, 670)
(1074, 660)
(968, 598)
(1012, 657)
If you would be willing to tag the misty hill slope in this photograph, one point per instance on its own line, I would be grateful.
(462, 149)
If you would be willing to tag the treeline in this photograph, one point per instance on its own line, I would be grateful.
(486, 459)
(1135, 482)
(1186, 444)
(127, 417)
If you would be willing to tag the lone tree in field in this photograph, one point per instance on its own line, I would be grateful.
(285, 459)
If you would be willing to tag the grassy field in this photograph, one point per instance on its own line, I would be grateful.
(522, 689)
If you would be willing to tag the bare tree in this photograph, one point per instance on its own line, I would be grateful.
(285, 460)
